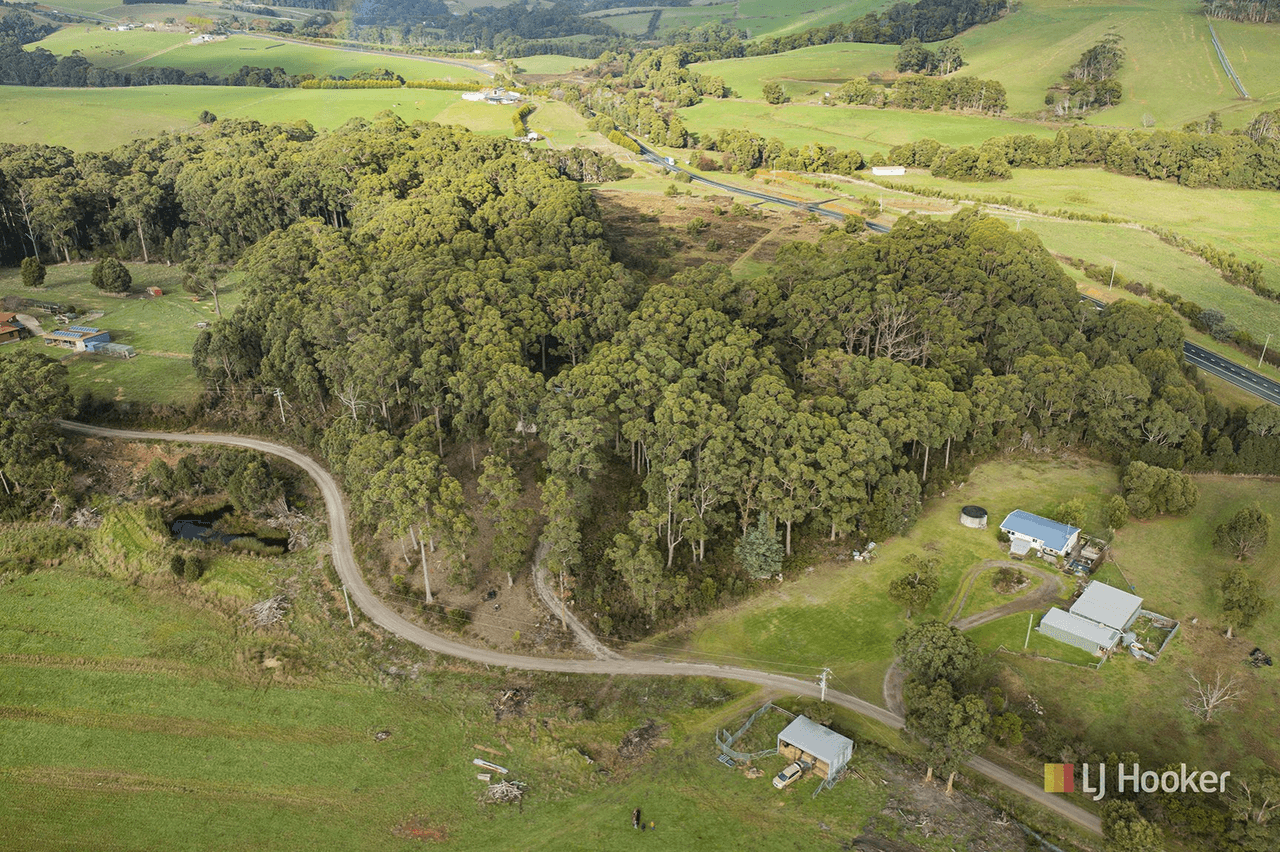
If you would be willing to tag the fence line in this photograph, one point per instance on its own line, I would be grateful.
(726, 741)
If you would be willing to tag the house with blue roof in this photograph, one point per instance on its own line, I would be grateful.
(1027, 531)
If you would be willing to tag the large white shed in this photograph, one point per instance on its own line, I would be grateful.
(806, 740)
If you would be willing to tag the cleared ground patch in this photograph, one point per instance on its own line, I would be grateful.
(550, 63)
(161, 329)
(839, 614)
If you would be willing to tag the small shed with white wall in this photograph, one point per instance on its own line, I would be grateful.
(888, 171)
(821, 747)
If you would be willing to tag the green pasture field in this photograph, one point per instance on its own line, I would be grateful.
(840, 616)
(1010, 633)
(983, 596)
(1171, 71)
(550, 63)
(1133, 705)
(145, 711)
(100, 7)
(562, 125)
(111, 49)
(1141, 256)
(100, 119)
(1246, 222)
(161, 329)
(821, 68)
(769, 17)
(865, 129)
(634, 23)
(174, 50)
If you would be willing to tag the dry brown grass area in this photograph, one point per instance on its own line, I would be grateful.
(652, 233)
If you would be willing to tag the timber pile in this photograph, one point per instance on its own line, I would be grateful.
(269, 612)
(505, 791)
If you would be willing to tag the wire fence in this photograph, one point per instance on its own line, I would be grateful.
(726, 741)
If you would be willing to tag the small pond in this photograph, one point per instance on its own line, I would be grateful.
(223, 526)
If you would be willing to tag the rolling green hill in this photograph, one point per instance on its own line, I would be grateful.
(118, 50)
(1171, 72)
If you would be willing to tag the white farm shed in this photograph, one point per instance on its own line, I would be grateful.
(888, 171)
(820, 746)
(1080, 632)
(1108, 606)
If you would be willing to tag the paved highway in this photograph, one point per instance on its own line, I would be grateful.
(657, 159)
(1242, 377)
(379, 613)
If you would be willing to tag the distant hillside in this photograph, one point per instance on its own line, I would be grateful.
(1171, 76)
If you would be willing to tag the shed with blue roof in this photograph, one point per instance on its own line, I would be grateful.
(1049, 537)
(81, 338)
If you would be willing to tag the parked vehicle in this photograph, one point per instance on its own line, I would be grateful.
(788, 775)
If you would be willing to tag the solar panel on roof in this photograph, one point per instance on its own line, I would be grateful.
(84, 329)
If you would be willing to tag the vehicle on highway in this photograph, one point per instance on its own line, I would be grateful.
(788, 775)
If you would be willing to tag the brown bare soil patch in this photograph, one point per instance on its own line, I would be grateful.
(415, 829)
(653, 233)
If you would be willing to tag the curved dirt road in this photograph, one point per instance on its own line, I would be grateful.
(380, 614)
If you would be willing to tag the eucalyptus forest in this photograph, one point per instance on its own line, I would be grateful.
(676, 379)
(416, 289)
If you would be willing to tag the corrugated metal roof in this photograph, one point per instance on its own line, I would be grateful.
(1107, 605)
(812, 738)
(1053, 534)
(1105, 637)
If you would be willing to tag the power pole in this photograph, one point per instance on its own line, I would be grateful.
(564, 618)
(426, 581)
(350, 616)
(1113, 275)
(1264, 350)
(280, 399)
(822, 681)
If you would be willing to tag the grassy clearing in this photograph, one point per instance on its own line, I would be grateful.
(1246, 222)
(984, 596)
(1140, 255)
(229, 55)
(839, 615)
(100, 119)
(111, 49)
(550, 63)
(1132, 705)
(161, 329)
(145, 712)
(821, 68)
(1010, 633)
(865, 129)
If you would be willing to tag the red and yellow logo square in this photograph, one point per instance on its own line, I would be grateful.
(1059, 777)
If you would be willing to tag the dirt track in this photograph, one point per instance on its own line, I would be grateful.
(380, 614)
